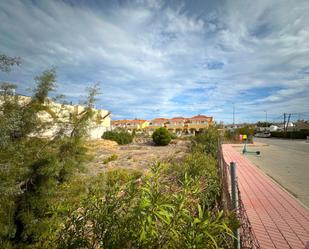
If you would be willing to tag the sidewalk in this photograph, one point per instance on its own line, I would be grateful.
(278, 220)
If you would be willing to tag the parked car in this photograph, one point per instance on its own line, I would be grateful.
(263, 134)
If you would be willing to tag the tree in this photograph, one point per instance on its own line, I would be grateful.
(161, 136)
(7, 62)
(263, 124)
(45, 83)
(32, 167)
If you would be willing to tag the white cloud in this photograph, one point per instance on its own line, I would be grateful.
(153, 58)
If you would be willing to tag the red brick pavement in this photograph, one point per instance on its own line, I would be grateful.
(278, 219)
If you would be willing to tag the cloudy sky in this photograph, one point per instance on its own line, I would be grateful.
(166, 58)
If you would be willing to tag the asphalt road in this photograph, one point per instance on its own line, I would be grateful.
(287, 162)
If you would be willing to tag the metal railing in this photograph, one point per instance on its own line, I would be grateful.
(232, 202)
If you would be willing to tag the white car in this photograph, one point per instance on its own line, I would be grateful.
(263, 134)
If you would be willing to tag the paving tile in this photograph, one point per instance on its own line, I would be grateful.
(277, 218)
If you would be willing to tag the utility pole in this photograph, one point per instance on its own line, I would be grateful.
(288, 121)
(265, 116)
(284, 118)
(233, 115)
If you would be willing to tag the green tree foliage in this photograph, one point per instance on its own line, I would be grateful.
(33, 169)
(248, 130)
(232, 136)
(7, 62)
(161, 136)
(121, 137)
(45, 83)
(263, 124)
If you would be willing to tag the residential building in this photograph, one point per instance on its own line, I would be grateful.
(157, 122)
(130, 125)
(199, 122)
(181, 124)
(100, 122)
(176, 125)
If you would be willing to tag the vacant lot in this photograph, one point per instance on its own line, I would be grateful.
(138, 155)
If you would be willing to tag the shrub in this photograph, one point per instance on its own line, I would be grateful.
(121, 137)
(207, 141)
(302, 134)
(120, 176)
(110, 158)
(151, 212)
(202, 168)
(247, 130)
(161, 136)
(173, 135)
(232, 136)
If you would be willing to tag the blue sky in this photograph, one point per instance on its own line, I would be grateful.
(166, 58)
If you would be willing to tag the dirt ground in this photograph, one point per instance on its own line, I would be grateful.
(141, 154)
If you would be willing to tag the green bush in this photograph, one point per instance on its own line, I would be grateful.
(207, 141)
(161, 136)
(200, 167)
(247, 130)
(147, 212)
(121, 137)
(232, 136)
(173, 135)
(302, 134)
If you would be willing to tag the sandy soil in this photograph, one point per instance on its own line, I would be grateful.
(141, 154)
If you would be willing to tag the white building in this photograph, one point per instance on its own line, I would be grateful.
(63, 113)
(273, 128)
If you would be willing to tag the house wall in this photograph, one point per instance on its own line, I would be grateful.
(63, 113)
(96, 132)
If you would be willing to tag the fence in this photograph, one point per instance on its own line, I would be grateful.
(232, 202)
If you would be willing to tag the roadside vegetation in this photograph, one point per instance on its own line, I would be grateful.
(233, 136)
(121, 137)
(33, 169)
(47, 203)
(174, 205)
(302, 134)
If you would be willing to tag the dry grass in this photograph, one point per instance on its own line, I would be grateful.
(139, 155)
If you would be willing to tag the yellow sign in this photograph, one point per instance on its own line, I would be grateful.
(244, 136)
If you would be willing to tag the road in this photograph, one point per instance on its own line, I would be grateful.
(287, 162)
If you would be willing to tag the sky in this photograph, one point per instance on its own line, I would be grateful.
(166, 58)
